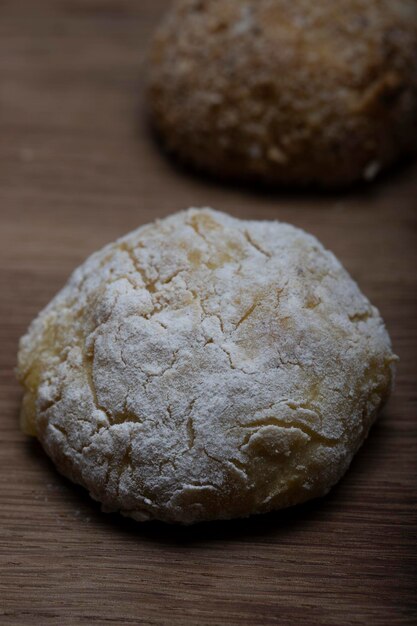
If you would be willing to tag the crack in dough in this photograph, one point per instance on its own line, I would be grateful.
(204, 367)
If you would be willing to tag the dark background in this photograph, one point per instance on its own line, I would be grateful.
(78, 168)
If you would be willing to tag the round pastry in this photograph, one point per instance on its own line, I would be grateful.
(205, 367)
(287, 91)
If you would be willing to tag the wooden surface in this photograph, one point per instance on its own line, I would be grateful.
(77, 169)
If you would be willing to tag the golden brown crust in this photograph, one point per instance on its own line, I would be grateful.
(287, 91)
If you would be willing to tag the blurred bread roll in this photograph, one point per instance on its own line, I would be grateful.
(289, 92)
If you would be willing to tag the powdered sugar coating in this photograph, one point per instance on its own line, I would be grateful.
(205, 367)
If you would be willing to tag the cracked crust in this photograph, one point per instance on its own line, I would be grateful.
(284, 91)
(205, 367)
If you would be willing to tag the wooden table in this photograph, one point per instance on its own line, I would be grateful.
(79, 168)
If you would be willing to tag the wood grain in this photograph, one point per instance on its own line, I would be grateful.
(77, 169)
